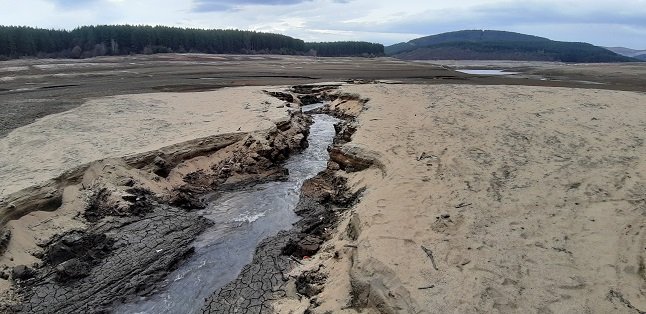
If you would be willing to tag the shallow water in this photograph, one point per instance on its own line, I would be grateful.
(242, 219)
(487, 72)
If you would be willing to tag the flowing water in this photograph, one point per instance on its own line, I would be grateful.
(242, 219)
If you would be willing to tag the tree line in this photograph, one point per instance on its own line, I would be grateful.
(101, 40)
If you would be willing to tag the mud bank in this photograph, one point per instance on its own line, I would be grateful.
(125, 223)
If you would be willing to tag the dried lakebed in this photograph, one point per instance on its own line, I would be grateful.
(241, 220)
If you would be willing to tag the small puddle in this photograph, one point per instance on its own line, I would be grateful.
(242, 220)
(487, 72)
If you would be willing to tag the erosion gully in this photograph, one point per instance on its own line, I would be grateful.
(242, 219)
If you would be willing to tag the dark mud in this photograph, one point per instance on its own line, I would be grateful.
(323, 199)
(135, 239)
(87, 272)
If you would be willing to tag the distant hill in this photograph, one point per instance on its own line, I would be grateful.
(627, 51)
(499, 45)
(641, 57)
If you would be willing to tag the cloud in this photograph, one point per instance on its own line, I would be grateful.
(227, 5)
(72, 4)
(601, 22)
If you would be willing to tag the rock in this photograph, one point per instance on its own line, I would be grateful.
(350, 160)
(282, 96)
(5, 237)
(306, 246)
(145, 252)
(161, 167)
(88, 247)
(129, 197)
(333, 166)
(344, 131)
(22, 272)
(72, 269)
(309, 99)
(188, 197)
(310, 283)
(284, 125)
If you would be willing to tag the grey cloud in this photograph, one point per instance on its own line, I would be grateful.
(533, 13)
(68, 4)
(226, 5)
(500, 16)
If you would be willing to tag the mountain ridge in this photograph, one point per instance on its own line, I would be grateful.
(500, 45)
(628, 52)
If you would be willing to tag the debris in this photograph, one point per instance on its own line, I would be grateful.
(429, 253)
(461, 205)
(428, 287)
(425, 156)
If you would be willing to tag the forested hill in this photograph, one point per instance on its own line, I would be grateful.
(499, 45)
(90, 41)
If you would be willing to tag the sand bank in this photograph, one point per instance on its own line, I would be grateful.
(491, 199)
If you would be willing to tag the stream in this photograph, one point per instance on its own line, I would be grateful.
(242, 220)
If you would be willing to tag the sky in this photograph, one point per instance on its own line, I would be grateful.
(600, 22)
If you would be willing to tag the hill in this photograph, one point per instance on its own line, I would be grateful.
(627, 51)
(641, 57)
(499, 45)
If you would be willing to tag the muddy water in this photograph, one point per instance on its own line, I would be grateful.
(242, 219)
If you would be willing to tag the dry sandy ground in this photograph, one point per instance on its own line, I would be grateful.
(122, 125)
(529, 199)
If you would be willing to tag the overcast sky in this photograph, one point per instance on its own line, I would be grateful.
(600, 22)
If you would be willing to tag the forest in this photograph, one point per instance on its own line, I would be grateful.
(101, 40)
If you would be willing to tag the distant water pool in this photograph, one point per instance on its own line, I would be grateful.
(487, 72)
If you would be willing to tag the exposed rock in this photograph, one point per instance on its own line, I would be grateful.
(309, 99)
(87, 247)
(161, 167)
(305, 246)
(344, 131)
(188, 197)
(282, 96)
(105, 202)
(128, 257)
(351, 158)
(22, 272)
(72, 269)
(310, 283)
(5, 237)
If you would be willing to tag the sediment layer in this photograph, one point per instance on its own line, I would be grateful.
(134, 219)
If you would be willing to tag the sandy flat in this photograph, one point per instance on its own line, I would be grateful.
(530, 200)
(123, 125)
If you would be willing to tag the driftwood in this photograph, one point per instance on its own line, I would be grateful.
(429, 253)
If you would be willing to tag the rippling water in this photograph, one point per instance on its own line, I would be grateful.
(242, 219)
